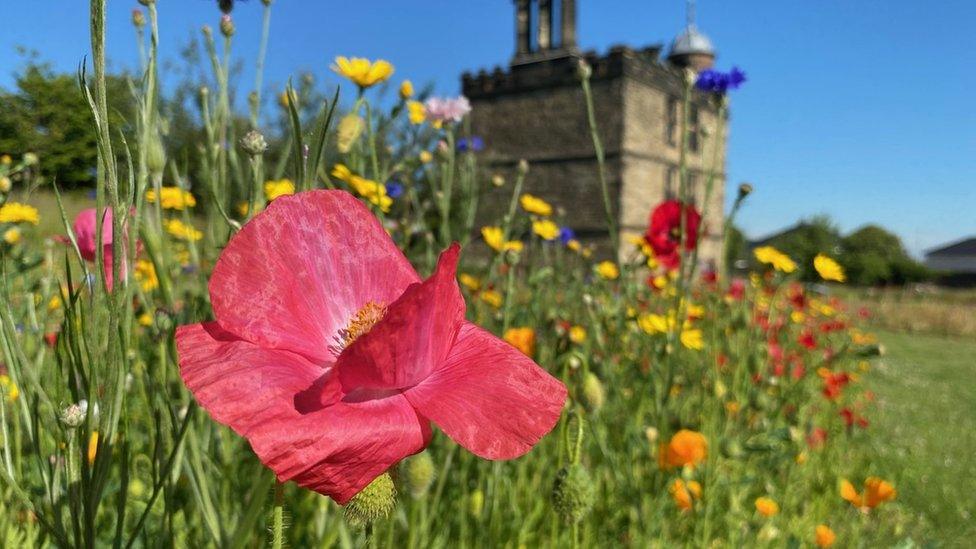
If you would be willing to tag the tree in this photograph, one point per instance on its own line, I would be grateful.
(872, 256)
(810, 237)
(48, 115)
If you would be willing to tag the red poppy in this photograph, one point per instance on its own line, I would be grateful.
(852, 418)
(332, 357)
(817, 437)
(834, 384)
(737, 289)
(808, 340)
(664, 231)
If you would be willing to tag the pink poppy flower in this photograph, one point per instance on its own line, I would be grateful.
(332, 357)
(85, 228)
(447, 109)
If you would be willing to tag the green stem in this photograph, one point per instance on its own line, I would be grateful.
(278, 517)
(601, 163)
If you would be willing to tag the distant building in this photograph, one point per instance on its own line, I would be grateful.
(959, 257)
(535, 110)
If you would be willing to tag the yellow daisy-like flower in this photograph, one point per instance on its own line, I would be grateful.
(492, 298)
(828, 269)
(417, 114)
(771, 256)
(6, 160)
(876, 492)
(363, 72)
(406, 90)
(280, 187)
(182, 231)
(577, 334)
(574, 245)
(823, 536)
(545, 229)
(766, 507)
(145, 320)
(172, 198)
(685, 493)
(372, 191)
(8, 388)
(11, 236)
(495, 239)
(535, 205)
(15, 212)
(692, 339)
(653, 324)
(285, 99)
(145, 273)
(608, 270)
(425, 157)
(522, 339)
(472, 283)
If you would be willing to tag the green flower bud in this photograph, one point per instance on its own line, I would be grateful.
(476, 503)
(73, 416)
(227, 26)
(155, 156)
(418, 474)
(745, 189)
(523, 166)
(572, 493)
(375, 501)
(594, 394)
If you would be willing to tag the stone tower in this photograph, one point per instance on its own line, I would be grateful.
(535, 110)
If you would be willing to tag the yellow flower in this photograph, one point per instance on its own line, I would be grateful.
(685, 494)
(492, 298)
(823, 536)
(15, 212)
(535, 205)
(828, 269)
(686, 448)
(692, 339)
(653, 324)
(350, 128)
(771, 256)
(608, 270)
(7, 387)
(284, 99)
(406, 90)
(372, 191)
(547, 230)
(145, 273)
(11, 236)
(92, 447)
(6, 160)
(861, 338)
(660, 282)
(363, 72)
(182, 231)
(5, 184)
(173, 198)
(145, 319)
(275, 188)
(766, 507)
(54, 303)
(797, 317)
(417, 113)
(577, 334)
(470, 282)
(495, 239)
(574, 245)
(876, 492)
(425, 157)
(522, 339)
(695, 311)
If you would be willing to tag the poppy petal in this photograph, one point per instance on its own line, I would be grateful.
(336, 450)
(414, 337)
(299, 271)
(489, 397)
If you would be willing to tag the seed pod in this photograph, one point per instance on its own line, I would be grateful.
(594, 394)
(375, 501)
(572, 493)
(253, 143)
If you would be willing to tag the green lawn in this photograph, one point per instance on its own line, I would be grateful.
(926, 428)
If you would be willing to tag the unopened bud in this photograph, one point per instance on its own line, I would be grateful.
(227, 25)
(523, 166)
(5, 184)
(512, 257)
(266, 2)
(147, 2)
(31, 159)
(476, 503)
(745, 189)
(253, 143)
(253, 100)
(583, 70)
(374, 502)
(651, 434)
(73, 416)
(138, 18)
(594, 394)
(690, 76)
(155, 156)
(572, 493)
(418, 472)
(497, 180)
(207, 31)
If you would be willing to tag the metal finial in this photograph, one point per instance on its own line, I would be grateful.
(690, 13)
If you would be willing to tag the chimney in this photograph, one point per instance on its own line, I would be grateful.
(545, 24)
(523, 24)
(568, 33)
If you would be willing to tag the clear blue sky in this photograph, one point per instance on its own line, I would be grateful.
(861, 109)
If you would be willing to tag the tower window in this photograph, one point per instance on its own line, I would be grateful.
(693, 129)
(671, 183)
(671, 126)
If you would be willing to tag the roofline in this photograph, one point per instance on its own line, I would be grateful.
(932, 251)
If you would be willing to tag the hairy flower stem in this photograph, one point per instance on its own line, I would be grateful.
(278, 517)
(259, 65)
(601, 165)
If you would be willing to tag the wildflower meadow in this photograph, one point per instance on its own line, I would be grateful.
(316, 339)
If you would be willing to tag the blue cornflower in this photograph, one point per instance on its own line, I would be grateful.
(394, 189)
(472, 144)
(720, 82)
(566, 234)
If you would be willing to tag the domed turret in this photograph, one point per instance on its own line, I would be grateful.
(691, 48)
